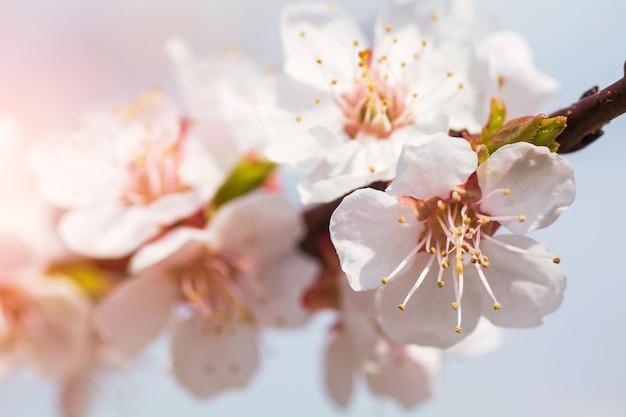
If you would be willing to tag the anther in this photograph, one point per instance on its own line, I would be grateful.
(432, 250)
(506, 191)
(416, 55)
(414, 95)
(473, 260)
(445, 264)
(455, 306)
(383, 280)
(401, 219)
(483, 221)
(441, 205)
(318, 100)
(435, 17)
(372, 169)
(319, 61)
(467, 221)
(424, 42)
(457, 329)
(521, 218)
(497, 306)
(356, 43)
(401, 307)
(444, 254)
(461, 86)
(449, 74)
(385, 102)
(302, 34)
(395, 40)
(298, 118)
(388, 28)
(456, 196)
(333, 82)
(403, 64)
(556, 260)
(440, 284)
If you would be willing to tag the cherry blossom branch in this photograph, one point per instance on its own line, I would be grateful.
(586, 117)
(585, 120)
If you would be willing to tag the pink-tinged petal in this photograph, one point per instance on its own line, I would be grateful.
(369, 237)
(174, 249)
(315, 31)
(282, 285)
(522, 87)
(136, 312)
(340, 368)
(260, 226)
(541, 186)
(207, 363)
(408, 374)
(485, 338)
(58, 328)
(432, 166)
(428, 318)
(528, 286)
(114, 231)
(76, 395)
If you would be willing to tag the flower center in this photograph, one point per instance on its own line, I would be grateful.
(375, 108)
(217, 286)
(453, 231)
(154, 166)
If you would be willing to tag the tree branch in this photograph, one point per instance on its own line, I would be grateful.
(586, 117)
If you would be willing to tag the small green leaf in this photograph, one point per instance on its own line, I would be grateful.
(549, 130)
(497, 116)
(248, 175)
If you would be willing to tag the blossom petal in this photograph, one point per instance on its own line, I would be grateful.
(315, 31)
(541, 185)
(114, 231)
(282, 283)
(527, 286)
(134, 314)
(207, 363)
(340, 368)
(432, 165)
(174, 249)
(368, 237)
(261, 226)
(485, 338)
(58, 328)
(409, 374)
(348, 166)
(522, 87)
(428, 318)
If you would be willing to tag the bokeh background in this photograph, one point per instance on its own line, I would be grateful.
(60, 58)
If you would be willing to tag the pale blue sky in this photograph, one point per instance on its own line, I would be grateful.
(573, 366)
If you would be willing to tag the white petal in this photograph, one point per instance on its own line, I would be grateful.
(454, 19)
(428, 318)
(261, 226)
(340, 368)
(349, 166)
(177, 247)
(368, 237)
(485, 338)
(527, 286)
(282, 284)
(523, 87)
(329, 35)
(58, 329)
(114, 231)
(432, 165)
(134, 314)
(207, 363)
(409, 374)
(541, 183)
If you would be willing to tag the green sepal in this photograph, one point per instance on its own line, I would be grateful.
(246, 176)
(497, 116)
(549, 130)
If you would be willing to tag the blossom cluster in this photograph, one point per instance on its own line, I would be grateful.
(156, 218)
